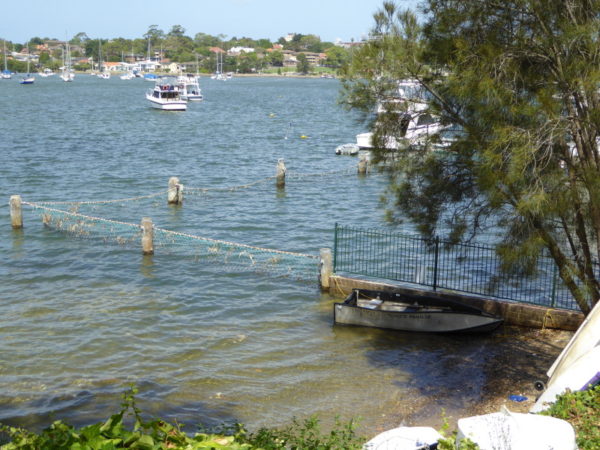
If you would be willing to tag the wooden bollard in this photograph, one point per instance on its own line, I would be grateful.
(363, 164)
(280, 173)
(326, 267)
(175, 193)
(147, 236)
(16, 214)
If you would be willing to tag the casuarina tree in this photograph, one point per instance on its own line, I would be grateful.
(516, 83)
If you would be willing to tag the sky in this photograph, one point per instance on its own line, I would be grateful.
(271, 19)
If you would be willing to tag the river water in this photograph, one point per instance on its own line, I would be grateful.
(206, 343)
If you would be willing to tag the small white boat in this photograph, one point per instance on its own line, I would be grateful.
(28, 79)
(405, 438)
(67, 74)
(127, 76)
(578, 365)
(104, 75)
(166, 95)
(46, 73)
(347, 149)
(578, 376)
(506, 430)
(189, 88)
(411, 312)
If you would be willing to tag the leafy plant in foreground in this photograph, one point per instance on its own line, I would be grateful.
(582, 410)
(306, 435)
(158, 434)
(112, 434)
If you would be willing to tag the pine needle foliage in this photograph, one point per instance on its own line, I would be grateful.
(518, 84)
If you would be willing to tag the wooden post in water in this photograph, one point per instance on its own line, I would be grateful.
(147, 236)
(363, 164)
(280, 173)
(175, 194)
(326, 267)
(16, 214)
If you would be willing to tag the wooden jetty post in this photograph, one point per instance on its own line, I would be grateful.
(16, 214)
(363, 164)
(147, 236)
(326, 267)
(175, 193)
(280, 173)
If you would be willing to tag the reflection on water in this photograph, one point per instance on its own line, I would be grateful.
(205, 342)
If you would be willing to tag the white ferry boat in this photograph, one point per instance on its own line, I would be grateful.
(166, 95)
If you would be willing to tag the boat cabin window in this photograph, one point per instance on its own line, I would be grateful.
(404, 122)
(425, 119)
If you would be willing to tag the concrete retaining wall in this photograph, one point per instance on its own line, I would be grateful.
(521, 314)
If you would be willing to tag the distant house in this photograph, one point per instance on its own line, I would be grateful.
(235, 51)
(113, 66)
(173, 67)
(315, 59)
(149, 65)
(216, 50)
(348, 45)
(289, 59)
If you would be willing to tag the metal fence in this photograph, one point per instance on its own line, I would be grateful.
(434, 263)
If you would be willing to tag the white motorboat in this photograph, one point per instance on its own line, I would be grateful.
(127, 76)
(189, 87)
(166, 95)
(416, 124)
(46, 73)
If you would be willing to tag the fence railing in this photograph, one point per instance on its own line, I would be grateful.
(473, 269)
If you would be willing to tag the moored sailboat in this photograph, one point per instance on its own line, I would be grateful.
(6, 74)
(28, 79)
(67, 74)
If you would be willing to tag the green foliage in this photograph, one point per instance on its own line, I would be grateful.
(302, 65)
(517, 81)
(305, 435)
(112, 434)
(581, 409)
(158, 434)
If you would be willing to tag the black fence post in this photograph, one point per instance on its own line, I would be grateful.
(335, 239)
(435, 262)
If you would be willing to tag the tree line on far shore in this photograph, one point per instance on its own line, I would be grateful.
(176, 46)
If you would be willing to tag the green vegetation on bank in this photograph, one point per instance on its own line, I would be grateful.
(578, 408)
(248, 55)
(159, 434)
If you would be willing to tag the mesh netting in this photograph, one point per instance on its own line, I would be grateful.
(200, 249)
